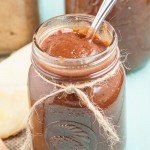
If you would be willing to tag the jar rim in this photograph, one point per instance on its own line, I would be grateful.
(94, 65)
(90, 18)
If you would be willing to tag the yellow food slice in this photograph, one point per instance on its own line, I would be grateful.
(13, 92)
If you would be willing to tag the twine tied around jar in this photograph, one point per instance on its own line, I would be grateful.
(109, 129)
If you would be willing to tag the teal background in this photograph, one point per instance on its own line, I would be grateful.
(138, 90)
(50, 8)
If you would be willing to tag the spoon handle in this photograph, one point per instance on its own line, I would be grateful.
(105, 8)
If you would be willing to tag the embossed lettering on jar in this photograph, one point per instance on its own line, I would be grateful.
(63, 121)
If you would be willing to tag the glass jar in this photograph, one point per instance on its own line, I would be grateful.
(62, 121)
(131, 19)
(19, 20)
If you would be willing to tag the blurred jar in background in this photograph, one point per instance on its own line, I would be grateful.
(18, 21)
(131, 19)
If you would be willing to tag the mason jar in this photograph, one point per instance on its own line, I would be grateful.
(131, 19)
(62, 121)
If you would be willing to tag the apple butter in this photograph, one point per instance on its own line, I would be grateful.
(62, 54)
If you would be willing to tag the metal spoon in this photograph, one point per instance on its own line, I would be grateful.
(105, 8)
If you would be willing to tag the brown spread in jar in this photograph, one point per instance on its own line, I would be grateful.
(73, 44)
(63, 122)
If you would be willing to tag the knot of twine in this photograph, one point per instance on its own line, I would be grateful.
(103, 121)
